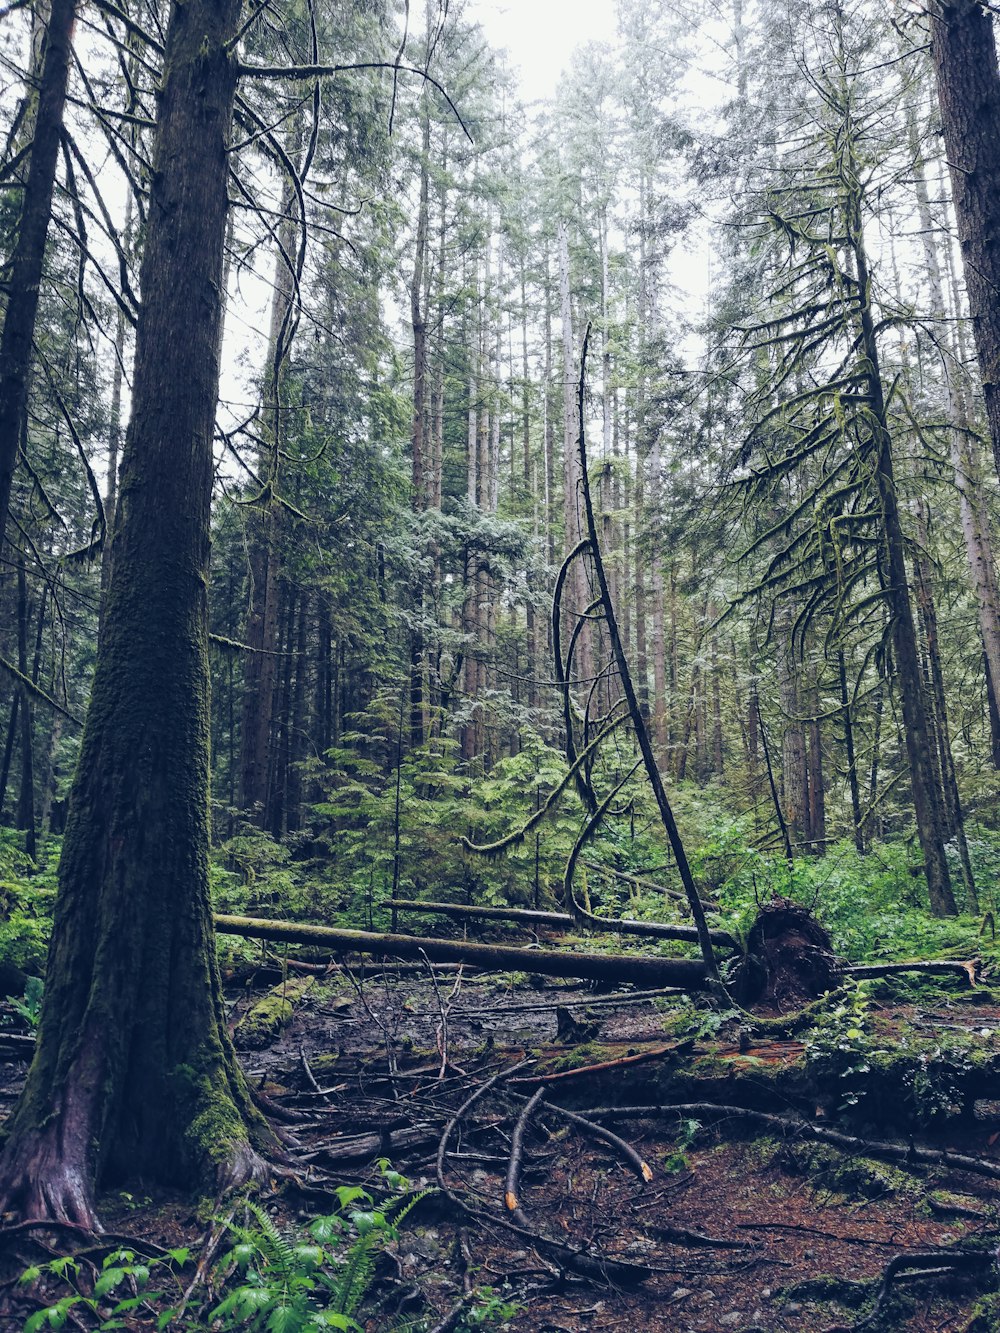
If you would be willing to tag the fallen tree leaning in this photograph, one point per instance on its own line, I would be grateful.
(564, 921)
(682, 972)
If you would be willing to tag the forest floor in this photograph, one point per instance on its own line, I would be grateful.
(744, 1224)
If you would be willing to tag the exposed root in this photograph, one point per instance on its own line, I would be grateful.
(243, 1167)
(789, 959)
(43, 1178)
(934, 1262)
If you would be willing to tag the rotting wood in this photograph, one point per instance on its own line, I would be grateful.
(642, 1057)
(681, 972)
(565, 921)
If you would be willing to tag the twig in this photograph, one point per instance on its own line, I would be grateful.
(469, 1102)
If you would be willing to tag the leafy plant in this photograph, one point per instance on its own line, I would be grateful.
(30, 1005)
(839, 1043)
(121, 1269)
(288, 1285)
(489, 1308)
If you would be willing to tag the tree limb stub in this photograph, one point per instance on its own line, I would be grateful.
(565, 921)
(682, 972)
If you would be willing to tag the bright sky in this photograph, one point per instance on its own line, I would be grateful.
(541, 35)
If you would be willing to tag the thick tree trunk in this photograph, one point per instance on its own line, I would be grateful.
(24, 274)
(964, 52)
(974, 518)
(134, 1073)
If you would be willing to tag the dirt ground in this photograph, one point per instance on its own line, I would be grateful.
(733, 1231)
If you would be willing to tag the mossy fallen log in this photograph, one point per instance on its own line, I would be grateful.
(681, 972)
(564, 921)
(264, 1020)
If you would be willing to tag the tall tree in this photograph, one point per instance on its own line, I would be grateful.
(963, 48)
(134, 1071)
(25, 272)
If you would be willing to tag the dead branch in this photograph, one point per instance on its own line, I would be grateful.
(513, 1181)
(906, 1154)
(563, 920)
(641, 1166)
(635, 880)
(935, 967)
(676, 1048)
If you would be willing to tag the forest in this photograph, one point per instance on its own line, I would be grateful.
(499, 666)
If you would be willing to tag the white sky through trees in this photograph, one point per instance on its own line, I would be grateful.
(541, 35)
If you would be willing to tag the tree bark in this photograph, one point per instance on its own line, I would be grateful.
(974, 519)
(963, 49)
(926, 798)
(26, 796)
(134, 1073)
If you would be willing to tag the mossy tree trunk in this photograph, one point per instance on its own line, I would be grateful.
(134, 1073)
(24, 272)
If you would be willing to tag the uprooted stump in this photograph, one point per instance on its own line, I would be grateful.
(789, 959)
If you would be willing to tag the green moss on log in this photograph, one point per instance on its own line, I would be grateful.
(264, 1020)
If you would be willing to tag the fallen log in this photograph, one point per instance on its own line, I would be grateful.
(681, 972)
(564, 921)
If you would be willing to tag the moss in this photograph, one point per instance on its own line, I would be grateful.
(217, 1127)
(985, 1315)
(855, 1177)
(828, 1287)
(214, 1123)
(264, 1020)
(325, 1063)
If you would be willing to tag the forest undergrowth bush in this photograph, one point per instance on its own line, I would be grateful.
(317, 1276)
(342, 871)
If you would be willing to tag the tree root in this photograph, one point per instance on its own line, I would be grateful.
(48, 1179)
(963, 1261)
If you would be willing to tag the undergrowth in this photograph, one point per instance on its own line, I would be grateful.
(268, 1280)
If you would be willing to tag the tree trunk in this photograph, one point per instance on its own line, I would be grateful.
(964, 52)
(975, 522)
(26, 796)
(926, 798)
(134, 1073)
(852, 763)
(24, 272)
